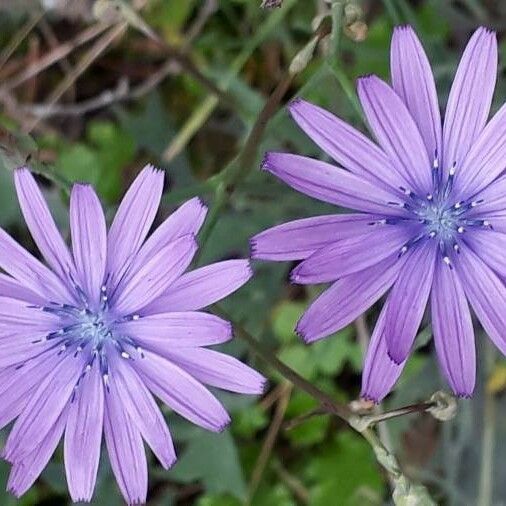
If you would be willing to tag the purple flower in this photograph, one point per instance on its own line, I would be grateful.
(87, 342)
(432, 214)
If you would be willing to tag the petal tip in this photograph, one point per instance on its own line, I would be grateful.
(223, 426)
(254, 251)
(200, 202)
(263, 386)
(169, 463)
(296, 277)
(395, 357)
(302, 332)
(14, 491)
(369, 397)
(267, 162)
(294, 104)
(248, 271)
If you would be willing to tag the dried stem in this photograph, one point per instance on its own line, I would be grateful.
(207, 9)
(403, 490)
(293, 484)
(89, 57)
(20, 36)
(295, 422)
(53, 42)
(121, 93)
(240, 167)
(327, 402)
(54, 56)
(205, 109)
(269, 441)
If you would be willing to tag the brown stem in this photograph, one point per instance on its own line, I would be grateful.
(326, 401)
(269, 441)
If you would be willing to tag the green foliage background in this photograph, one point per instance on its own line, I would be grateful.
(244, 50)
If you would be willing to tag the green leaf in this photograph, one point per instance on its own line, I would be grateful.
(150, 125)
(115, 149)
(333, 352)
(273, 495)
(299, 357)
(213, 460)
(311, 431)
(79, 162)
(218, 500)
(249, 421)
(345, 473)
(285, 317)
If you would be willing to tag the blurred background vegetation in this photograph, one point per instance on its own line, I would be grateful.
(102, 90)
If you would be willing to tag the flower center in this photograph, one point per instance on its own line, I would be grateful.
(441, 221)
(92, 332)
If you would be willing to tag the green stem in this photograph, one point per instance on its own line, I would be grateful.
(395, 413)
(328, 403)
(347, 87)
(52, 175)
(392, 11)
(405, 492)
(477, 10)
(237, 170)
(193, 190)
(487, 445)
(407, 13)
(202, 112)
(336, 13)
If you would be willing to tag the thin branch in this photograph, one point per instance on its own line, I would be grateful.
(54, 56)
(205, 109)
(364, 339)
(269, 441)
(240, 167)
(207, 9)
(121, 93)
(20, 36)
(296, 487)
(295, 422)
(52, 175)
(52, 40)
(328, 403)
(403, 487)
(89, 57)
(395, 413)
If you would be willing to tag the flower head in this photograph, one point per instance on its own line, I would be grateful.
(87, 342)
(432, 214)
